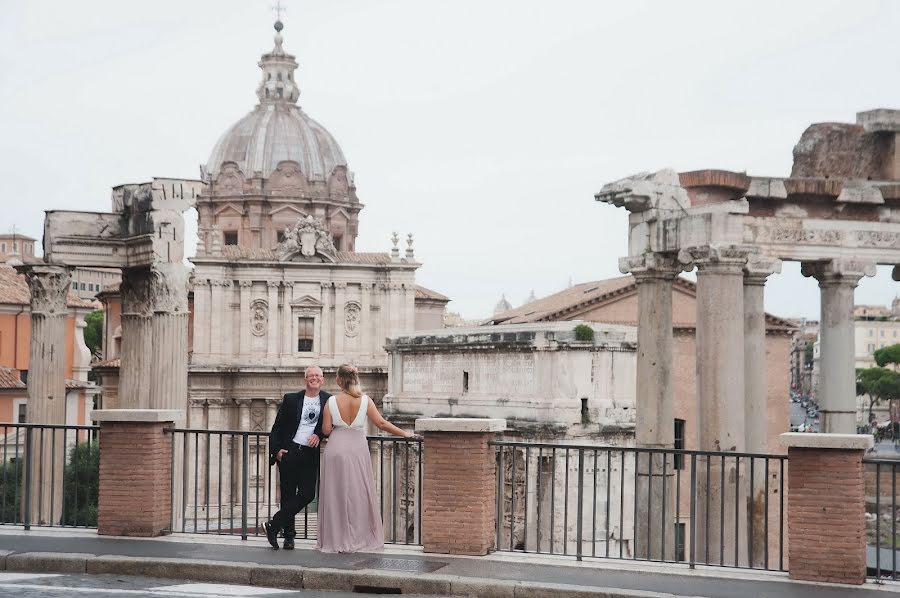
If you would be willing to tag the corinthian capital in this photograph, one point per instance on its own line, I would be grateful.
(714, 256)
(838, 271)
(759, 267)
(49, 288)
(650, 265)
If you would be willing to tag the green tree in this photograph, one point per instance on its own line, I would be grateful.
(93, 332)
(878, 384)
(11, 474)
(583, 332)
(888, 356)
(82, 482)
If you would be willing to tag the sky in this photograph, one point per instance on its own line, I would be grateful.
(483, 127)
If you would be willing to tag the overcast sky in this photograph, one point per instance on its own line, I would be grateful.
(484, 127)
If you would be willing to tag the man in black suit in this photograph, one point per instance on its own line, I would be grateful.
(294, 445)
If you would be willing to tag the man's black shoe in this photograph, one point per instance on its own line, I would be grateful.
(271, 534)
(288, 543)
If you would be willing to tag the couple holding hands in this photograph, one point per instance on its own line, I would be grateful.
(348, 515)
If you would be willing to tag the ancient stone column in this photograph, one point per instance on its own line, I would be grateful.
(655, 427)
(46, 390)
(837, 382)
(721, 524)
(756, 394)
(169, 351)
(137, 338)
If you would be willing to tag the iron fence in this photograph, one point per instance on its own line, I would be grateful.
(49, 475)
(222, 484)
(692, 507)
(881, 517)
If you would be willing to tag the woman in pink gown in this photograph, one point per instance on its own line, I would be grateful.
(349, 520)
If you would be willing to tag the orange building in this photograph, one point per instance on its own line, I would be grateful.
(15, 343)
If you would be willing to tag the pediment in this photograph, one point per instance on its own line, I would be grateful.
(229, 207)
(307, 302)
(286, 207)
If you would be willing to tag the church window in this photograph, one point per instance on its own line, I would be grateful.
(230, 237)
(305, 335)
(678, 459)
(465, 381)
(337, 242)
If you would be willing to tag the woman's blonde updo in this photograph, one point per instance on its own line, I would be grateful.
(348, 380)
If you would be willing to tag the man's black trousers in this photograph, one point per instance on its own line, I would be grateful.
(298, 471)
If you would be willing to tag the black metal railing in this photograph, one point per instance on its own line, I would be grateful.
(224, 485)
(674, 506)
(49, 475)
(881, 517)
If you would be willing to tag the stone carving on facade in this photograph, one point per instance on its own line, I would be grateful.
(231, 179)
(307, 239)
(257, 417)
(135, 290)
(287, 179)
(838, 270)
(168, 288)
(659, 190)
(651, 264)
(714, 254)
(259, 317)
(786, 235)
(49, 288)
(352, 317)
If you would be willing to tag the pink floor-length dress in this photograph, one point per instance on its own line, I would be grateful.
(349, 520)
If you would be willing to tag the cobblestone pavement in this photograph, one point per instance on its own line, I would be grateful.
(34, 585)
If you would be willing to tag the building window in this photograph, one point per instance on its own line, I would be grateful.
(337, 242)
(231, 237)
(22, 416)
(679, 443)
(305, 335)
(679, 541)
(465, 381)
(23, 376)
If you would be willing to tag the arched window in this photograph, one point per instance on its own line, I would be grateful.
(279, 76)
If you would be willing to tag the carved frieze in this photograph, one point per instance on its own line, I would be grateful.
(307, 239)
(259, 317)
(352, 317)
(778, 235)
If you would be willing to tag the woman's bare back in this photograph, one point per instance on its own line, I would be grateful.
(348, 407)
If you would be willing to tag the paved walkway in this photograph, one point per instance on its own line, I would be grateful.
(506, 572)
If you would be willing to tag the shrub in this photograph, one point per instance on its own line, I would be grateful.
(583, 332)
(82, 485)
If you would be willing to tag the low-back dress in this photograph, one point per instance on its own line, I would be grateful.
(349, 520)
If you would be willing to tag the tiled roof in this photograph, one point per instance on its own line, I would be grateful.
(9, 378)
(14, 290)
(560, 306)
(424, 293)
(237, 252)
(109, 363)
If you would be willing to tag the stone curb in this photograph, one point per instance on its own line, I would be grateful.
(295, 577)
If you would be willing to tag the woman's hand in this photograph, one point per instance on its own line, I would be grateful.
(414, 436)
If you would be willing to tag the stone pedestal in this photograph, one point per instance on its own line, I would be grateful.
(47, 390)
(837, 383)
(826, 507)
(460, 486)
(654, 534)
(135, 496)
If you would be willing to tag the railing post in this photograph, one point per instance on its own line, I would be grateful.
(245, 481)
(458, 502)
(580, 503)
(135, 470)
(826, 507)
(29, 446)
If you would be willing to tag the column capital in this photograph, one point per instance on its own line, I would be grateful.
(650, 266)
(840, 271)
(340, 286)
(245, 284)
(759, 267)
(243, 403)
(270, 402)
(273, 284)
(49, 287)
(717, 258)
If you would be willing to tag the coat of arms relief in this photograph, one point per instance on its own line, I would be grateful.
(307, 239)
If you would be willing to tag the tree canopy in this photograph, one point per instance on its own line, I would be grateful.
(887, 355)
(93, 332)
(880, 384)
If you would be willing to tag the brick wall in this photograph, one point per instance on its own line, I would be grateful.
(135, 479)
(459, 500)
(826, 522)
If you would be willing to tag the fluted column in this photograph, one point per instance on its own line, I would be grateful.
(47, 387)
(756, 393)
(243, 320)
(136, 367)
(720, 398)
(340, 299)
(169, 350)
(837, 382)
(272, 331)
(655, 426)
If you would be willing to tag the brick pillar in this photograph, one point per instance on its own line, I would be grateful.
(135, 471)
(826, 507)
(459, 494)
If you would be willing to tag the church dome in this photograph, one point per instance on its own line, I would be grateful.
(277, 130)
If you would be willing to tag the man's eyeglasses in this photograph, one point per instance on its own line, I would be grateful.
(314, 377)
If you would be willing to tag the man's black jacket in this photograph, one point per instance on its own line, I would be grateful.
(288, 420)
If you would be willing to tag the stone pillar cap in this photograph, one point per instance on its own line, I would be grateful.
(847, 442)
(137, 415)
(460, 424)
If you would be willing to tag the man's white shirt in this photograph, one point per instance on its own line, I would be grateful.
(309, 415)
